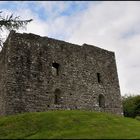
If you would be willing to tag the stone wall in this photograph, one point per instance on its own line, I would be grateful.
(3, 69)
(47, 74)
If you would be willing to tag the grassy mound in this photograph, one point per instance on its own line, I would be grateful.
(68, 124)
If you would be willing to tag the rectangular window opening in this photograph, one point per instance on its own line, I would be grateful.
(55, 67)
(99, 77)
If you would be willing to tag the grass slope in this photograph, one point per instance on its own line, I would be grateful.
(68, 124)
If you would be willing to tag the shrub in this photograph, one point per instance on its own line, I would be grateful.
(137, 118)
(131, 106)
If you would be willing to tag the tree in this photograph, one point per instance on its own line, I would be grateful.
(11, 23)
(131, 106)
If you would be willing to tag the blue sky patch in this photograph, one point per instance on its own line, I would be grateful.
(74, 7)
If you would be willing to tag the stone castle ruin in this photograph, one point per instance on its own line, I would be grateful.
(41, 74)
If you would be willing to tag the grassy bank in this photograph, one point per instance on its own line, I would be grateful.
(68, 124)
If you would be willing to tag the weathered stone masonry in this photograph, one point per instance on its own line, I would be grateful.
(41, 73)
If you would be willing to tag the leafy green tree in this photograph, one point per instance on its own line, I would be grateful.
(10, 22)
(131, 106)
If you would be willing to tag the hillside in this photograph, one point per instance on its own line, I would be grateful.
(68, 124)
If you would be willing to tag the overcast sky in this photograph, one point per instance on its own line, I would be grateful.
(112, 25)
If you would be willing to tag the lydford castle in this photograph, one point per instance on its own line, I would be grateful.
(41, 74)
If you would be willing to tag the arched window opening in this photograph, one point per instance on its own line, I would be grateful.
(101, 101)
(57, 96)
(55, 67)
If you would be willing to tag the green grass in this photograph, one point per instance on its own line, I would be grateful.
(68, 125)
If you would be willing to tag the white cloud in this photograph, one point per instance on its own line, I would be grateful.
(104, 25)
(110, 25)
(37, 26)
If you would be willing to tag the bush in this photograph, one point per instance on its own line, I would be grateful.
(131, 106)
(137, 118)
